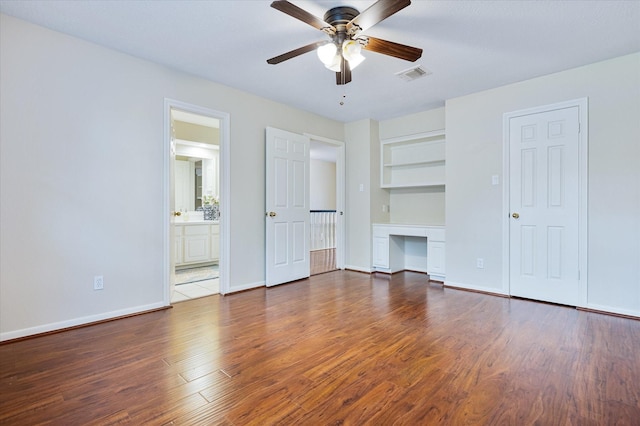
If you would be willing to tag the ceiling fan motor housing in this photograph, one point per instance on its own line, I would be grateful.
(340, 15)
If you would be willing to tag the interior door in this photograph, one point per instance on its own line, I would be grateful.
(287, 207)
(544, 206)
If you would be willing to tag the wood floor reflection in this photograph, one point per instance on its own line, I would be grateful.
(323, 261)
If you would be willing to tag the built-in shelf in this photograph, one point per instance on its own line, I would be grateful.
(416, 163)
(416, 185)
(413, 161)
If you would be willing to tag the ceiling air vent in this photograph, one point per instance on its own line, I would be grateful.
(413, 73)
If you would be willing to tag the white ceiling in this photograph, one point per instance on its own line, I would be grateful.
(468, 45)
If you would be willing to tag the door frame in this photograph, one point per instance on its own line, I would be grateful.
(583, 175)
(225, 192)
(340, 195)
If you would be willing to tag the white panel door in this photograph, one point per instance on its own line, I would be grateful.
(544, 206)
(287, 207)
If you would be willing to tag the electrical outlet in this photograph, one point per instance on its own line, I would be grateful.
(480, 263)
(98, 282)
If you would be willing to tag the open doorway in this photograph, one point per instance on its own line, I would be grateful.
(197, 205)
(196, 192)
(326, 212)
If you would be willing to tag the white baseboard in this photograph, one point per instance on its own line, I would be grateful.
(475, 288)
(590, 306)
(358, 269)
(45, 328)
(247, 286)
(612, 310)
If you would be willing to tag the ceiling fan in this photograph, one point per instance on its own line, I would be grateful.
(344, 25)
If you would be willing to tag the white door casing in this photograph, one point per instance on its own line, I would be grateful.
(287, 207)
(169, 193)
(340, 207)
(170, 186)
(340, 195)
(547, 204)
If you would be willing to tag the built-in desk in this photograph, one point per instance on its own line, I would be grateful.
(398, 247)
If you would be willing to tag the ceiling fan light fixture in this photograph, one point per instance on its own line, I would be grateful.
(327, 53)
(351, 51)
(335, 64)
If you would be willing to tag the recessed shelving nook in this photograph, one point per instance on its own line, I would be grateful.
(416, 160)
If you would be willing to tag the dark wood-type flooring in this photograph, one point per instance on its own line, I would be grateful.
(339, 348)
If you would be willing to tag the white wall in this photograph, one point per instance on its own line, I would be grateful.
(474, 154)
(419, 206)
(81, 172)
(379, 196)
(424, 121)
(322, 177)
(363, 207)
(423, 206)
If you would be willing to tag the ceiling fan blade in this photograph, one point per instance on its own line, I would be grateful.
(302, 15)
(378, 11)
(296, 52)
(344, 76)
(390, 48)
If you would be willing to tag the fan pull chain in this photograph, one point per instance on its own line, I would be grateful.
(343, 99)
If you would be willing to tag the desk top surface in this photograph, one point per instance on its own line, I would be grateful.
(408, 225)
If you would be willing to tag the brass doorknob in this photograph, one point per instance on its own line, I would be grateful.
(176, 213)
(515, 215)
(272, 214)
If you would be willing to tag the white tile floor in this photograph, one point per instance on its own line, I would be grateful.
(194, 290)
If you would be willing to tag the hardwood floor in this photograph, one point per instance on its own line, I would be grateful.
(323, 261)
(339, 348)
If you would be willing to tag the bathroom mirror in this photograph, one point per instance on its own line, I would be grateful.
(196, 174)
(197, 164)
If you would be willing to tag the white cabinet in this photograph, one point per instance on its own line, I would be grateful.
(421, 248)
(197, 243)
(381, 251)
(435, 257)
(413, 161)
(215, 242)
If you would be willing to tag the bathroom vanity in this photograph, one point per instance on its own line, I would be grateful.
(196, 241)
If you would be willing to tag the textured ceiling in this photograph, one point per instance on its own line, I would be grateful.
(468, 45)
